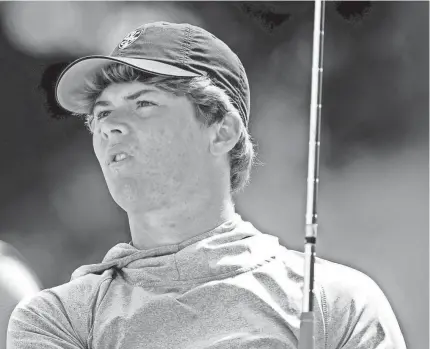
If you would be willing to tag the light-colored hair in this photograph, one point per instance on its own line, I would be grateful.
(211, 105)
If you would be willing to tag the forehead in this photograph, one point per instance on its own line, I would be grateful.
(125, 89)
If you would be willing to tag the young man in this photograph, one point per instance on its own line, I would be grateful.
(168, 111)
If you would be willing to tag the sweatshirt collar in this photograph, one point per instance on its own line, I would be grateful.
(233, 246)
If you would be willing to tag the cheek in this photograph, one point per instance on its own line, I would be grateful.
(188, 145)
(97, 148)
(176, 148)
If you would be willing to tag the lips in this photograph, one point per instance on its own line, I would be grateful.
(117, 154)
(119, 157)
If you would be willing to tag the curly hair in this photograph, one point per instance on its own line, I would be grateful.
(211, 104)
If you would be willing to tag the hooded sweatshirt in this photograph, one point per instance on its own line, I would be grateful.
(231, 287)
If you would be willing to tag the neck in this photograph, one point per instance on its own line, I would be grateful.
(176, 223)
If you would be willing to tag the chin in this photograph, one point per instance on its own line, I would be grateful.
(124, 192)
(143, 194)
(131, 197)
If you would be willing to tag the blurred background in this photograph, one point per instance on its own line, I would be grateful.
(55, 208)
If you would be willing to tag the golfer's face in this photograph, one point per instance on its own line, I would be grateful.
(148, 142)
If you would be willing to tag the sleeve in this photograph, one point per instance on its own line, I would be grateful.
(359, 315)
(40, 322)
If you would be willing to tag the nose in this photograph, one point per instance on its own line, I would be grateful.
(112, 127)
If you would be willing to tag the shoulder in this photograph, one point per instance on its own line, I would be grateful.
(359, 315)
(340, 289)
(65, 308)
(339, 282)
(77, 294)
(342, 281)
(349, 292)
(356, 312)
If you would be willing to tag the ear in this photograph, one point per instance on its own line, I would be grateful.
(225, 134)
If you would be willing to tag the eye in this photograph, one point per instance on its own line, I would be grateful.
(141, 104)
(103, 114)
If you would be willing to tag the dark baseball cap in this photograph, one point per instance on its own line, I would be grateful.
(166, 49)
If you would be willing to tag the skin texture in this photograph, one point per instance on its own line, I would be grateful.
(175, 184)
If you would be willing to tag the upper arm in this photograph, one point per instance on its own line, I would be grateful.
(360, 316)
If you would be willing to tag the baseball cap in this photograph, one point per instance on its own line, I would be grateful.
(165, 49)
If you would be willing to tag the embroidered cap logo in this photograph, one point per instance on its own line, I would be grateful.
(129, 39)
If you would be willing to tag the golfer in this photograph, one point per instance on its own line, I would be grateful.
(169, 111)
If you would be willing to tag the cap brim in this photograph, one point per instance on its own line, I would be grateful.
(71, 80)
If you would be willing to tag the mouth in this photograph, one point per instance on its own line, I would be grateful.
(118, 158)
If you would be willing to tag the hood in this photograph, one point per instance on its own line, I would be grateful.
(232, 246)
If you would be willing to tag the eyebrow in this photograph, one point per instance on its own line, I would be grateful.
(131, 97)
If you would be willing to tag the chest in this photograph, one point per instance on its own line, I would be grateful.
(216, 315)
